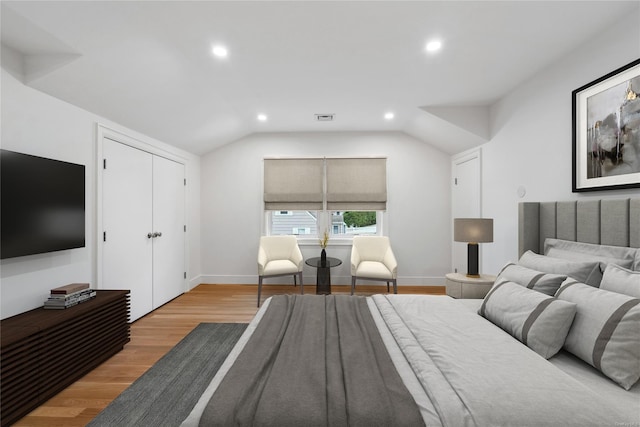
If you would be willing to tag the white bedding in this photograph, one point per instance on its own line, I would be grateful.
(612, 395)
(470, 362)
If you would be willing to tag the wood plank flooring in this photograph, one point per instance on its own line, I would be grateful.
(156, 333)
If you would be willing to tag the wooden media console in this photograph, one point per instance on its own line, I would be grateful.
(44, 351)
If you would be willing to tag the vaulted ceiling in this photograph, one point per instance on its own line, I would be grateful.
(148, 65)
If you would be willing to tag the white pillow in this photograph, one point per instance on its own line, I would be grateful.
(583, 271)
(547, 283)
(620, 280)
(537, 320)
(605, 332)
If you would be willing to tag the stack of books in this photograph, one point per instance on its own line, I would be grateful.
(68, 296)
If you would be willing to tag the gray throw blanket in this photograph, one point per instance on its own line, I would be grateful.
(313, 361)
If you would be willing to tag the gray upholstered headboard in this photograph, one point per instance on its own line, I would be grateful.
(603, 222)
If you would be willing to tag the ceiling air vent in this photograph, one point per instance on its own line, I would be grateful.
(324, 117)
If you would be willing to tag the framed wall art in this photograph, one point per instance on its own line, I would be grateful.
(606, 131)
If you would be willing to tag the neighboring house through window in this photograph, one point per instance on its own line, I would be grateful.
(294, 222)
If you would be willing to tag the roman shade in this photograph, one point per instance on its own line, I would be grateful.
(293, 184)
(357, 184)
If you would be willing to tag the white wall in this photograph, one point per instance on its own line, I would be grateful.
(38, 124)
(418, 208)
(531, 137)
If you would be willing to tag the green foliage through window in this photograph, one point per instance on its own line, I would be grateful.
(359, 219)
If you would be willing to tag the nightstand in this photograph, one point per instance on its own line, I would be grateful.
(461, 286)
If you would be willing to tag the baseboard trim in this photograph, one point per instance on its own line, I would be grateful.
(311, 280)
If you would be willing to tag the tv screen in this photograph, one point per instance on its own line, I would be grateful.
(42, 205)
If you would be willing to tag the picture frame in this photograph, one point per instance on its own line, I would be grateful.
(606, 131)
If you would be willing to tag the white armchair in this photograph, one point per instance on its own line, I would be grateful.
(373, 259)
(279, 256)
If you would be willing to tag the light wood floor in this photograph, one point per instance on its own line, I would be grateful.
(156, 333)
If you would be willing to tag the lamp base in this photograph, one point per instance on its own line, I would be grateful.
(472, 260)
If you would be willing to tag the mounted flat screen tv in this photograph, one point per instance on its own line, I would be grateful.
(42, 205)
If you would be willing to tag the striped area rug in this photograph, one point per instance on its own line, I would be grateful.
(167, 392)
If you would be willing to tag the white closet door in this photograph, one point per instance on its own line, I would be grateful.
(127, 219)
(168, 219)
(465, 202)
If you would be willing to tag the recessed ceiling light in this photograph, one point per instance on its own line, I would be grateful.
(220, 51)
(389, 115)
(434, 45)
(262, 117)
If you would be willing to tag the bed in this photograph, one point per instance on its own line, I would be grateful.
(555, 342)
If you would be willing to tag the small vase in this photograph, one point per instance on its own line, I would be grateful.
(323, 258)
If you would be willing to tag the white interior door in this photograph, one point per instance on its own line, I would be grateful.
(127, 218)
(169, 223)
(465, 200)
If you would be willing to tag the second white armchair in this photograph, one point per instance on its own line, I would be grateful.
(373, 259)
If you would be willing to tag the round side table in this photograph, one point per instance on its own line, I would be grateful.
(323, 278)
(462, 286)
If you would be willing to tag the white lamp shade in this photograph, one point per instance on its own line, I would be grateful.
(473, 230)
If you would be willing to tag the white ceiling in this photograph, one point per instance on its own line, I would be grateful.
(148, 65)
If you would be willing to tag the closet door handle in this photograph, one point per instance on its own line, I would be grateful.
(158, 234)
(149, 235)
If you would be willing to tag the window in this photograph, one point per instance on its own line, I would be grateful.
(345, 196)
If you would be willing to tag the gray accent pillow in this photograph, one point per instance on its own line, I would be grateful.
(547, 283)
(537, 320)
(605, 332)
(583, 271)
(621, 280)
(579, 251)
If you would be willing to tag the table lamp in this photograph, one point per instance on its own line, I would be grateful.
(473, 231)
